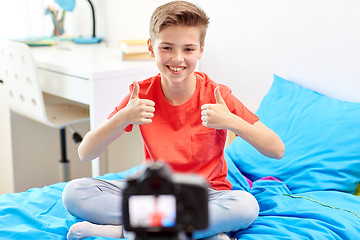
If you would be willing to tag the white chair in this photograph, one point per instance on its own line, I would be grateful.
(26, 98)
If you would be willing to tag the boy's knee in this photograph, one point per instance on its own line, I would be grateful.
(245, 208)
(250, 209)
(72, 193)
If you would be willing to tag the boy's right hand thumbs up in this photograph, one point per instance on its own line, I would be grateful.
(136, 90)
(139, 111)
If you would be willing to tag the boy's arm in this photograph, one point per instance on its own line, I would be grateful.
(137, 111)
(218, 116)
(95, 141)
(266, 141)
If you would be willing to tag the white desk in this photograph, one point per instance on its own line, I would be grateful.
(89, 74)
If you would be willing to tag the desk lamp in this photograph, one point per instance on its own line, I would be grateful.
(69, 5)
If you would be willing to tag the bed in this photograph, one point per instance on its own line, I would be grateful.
(309, 194)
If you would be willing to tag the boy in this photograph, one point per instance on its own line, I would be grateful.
(183, 117)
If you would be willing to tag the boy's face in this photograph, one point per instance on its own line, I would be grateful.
(176, 50)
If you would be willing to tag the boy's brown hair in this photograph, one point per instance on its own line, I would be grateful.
(178, 13)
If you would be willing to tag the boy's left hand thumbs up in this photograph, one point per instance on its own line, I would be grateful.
(215, 115)
(139, 111)
(218, 96)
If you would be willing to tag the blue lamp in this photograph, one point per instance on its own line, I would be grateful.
(69, 5)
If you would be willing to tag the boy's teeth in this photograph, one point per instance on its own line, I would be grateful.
(176, 69)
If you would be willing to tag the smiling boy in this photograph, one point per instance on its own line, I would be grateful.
(183, 117)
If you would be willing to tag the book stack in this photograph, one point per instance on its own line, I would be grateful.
(135, 50)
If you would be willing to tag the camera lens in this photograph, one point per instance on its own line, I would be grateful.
(155, 184)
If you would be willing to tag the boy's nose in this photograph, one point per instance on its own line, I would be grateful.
(177, 56)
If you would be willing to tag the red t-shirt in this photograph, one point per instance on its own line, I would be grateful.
(177, 136)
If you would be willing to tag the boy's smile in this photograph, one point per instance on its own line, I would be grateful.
(176, 50)
(176, 69)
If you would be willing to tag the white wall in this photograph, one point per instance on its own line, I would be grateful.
(6, 165)
(313, 42)
(23, 18)
(36, 153)
(309, 41)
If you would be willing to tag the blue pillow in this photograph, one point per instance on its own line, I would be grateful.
(321, 137)
(238, 181)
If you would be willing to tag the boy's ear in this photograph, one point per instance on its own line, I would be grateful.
(201, 50)
(150, 48)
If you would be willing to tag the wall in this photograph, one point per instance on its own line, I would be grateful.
(6, 165)
(310, 42)
(20, 18)
(315, 43)
(36, 153)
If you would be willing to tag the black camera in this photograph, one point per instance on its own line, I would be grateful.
(158, 204)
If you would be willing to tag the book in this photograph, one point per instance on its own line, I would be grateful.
(36, 41)
(135, 50)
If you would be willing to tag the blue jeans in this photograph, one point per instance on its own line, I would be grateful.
(99, 202)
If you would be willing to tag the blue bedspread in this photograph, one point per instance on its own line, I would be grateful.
(312, 215)
(39, 214)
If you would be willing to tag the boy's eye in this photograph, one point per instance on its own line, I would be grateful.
(166, 48)
(189, 49)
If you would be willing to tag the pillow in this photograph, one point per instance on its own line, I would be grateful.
(321, 137)
(238, 181)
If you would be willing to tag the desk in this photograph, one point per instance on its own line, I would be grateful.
(89, 74)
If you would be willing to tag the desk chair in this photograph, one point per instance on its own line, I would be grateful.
(26, 98)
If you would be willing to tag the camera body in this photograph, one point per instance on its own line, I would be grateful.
(159, 203)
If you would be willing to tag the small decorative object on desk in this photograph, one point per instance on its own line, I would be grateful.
(58, 17)
(135, 49)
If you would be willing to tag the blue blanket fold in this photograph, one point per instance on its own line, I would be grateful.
(312, 215)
